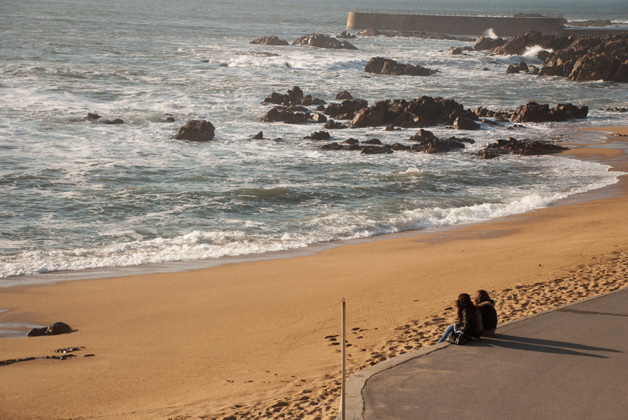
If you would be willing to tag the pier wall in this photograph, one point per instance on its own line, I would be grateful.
(453, 24)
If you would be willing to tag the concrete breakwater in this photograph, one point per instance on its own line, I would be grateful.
(454, 24)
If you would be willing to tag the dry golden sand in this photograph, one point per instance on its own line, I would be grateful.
(260, 339)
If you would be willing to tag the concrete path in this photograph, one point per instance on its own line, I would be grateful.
(569, 363)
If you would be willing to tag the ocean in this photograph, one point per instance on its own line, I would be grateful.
(76, 195)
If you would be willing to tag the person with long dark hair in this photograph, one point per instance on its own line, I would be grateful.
(486, 305)
(468, 320)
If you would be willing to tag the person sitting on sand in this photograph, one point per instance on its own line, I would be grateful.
(468, 322)
(486, 305)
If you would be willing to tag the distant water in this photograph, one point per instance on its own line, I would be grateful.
(76, 195)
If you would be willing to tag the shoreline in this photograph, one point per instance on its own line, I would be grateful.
(54, 277)
(257, 339)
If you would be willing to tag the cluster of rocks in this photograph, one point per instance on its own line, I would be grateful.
(579, 58)
(95, 118)
(522, 67)
(270, 40)
(617, 109)
(425, 141)
(345, 35)
(311, 40)
(53, 329)
(421, 112)
(380, 65)
(292, 108)
(292, 97)
(459, 50)
(534, 112)
(512, 146)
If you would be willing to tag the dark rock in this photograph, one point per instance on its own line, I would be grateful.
(593, 67)
(349, 144)
(344, 95)
(95, 118)
(579, 58)
(168, 118)
(196, 130)
(346, 109)
(543, 55)
(345, 35)
(517, 45)
(36, 332)
(270, 40)
(318, 117)
(462, 123)
(282, 114)
(423, 135)
(524, 147)
(456, 50)
(436, 145)
(534, 112)
(319, 135)
(524, 67)
(512, 69)
(333, 125)
(114, 122)
(486, 43)
(422, 112)
(332, 146)
(376, 150)
(369, 32)
(53, 329)
(400, 147)
(323, 41)
(373, 142)
(380, 65)
(58, 328)
(258, 136)
(294, 96)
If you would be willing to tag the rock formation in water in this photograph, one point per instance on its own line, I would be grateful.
(422, 112)
(270, 40)
(323, 41)
(524, 147)
(578, 58)
(196, 130)
(380, 65)
(534, 112)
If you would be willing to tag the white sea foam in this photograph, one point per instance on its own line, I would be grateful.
(533, 52)
(490, 33)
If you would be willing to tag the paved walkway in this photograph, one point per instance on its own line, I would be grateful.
(570, 363)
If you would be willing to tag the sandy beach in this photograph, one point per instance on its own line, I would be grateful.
(260, 339)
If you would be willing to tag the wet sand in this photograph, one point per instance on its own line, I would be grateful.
(260, 339)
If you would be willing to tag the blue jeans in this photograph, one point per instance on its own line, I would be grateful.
(448, 331)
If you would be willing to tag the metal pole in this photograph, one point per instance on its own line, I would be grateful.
(344, 347)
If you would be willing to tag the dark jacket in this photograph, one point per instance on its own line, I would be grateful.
(471, 322)
(489, 315)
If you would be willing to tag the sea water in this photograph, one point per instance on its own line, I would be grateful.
(76, 195)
